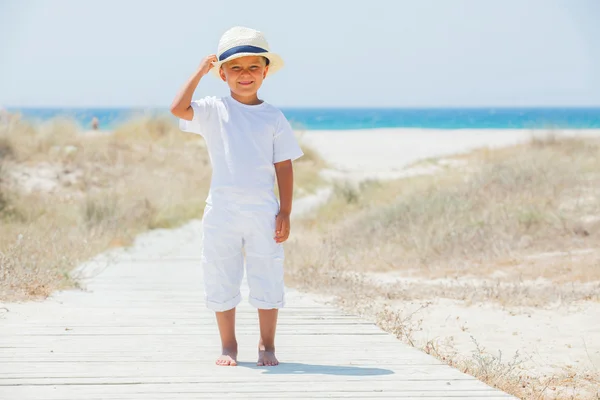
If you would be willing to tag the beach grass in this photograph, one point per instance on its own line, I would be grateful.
(501, 211)
(515, 227)
(66, 196)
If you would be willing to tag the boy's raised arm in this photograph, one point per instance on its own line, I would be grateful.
(181, 106)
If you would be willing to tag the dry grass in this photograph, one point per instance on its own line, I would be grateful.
(65, 197)
(486, 231)
(490, 221)
(507, 374)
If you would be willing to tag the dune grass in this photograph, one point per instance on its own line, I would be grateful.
(66, 196)
(509, 217)
(508, 205)
(480, 233)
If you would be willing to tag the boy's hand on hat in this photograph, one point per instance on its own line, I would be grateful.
(282, 227)
(206, 64)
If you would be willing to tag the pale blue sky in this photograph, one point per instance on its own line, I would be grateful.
(339, 53)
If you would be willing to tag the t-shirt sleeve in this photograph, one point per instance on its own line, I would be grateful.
(285, 145)
(199, 123)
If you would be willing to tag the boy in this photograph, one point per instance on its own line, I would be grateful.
(249, 142)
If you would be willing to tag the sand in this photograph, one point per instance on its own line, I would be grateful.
(550, 341)
(384, 153)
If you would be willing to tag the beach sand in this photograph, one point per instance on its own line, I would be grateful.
(550, 341)
(385, 153)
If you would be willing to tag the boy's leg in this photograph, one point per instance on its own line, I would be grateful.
(266, 345)
(229, 347)
(264, 264)
(222, 261)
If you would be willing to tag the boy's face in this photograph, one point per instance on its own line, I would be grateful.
(244, 75)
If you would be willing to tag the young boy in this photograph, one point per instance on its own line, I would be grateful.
(249, 142)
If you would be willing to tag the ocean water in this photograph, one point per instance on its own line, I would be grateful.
(367, 118)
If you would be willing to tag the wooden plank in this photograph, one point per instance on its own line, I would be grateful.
(266, 393)
(200, 367)
(183, 354)
(249, 387)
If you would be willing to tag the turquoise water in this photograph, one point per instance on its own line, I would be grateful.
(357, 118)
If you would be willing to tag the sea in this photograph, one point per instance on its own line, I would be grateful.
(363, 118)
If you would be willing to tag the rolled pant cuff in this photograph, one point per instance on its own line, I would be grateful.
(228, 305)
(262, 305)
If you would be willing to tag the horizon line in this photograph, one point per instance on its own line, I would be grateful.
(432, 107)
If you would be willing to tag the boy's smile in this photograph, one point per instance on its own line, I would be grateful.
(244, 76)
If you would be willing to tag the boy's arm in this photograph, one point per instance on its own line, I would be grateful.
(181, 106)
(285, 182)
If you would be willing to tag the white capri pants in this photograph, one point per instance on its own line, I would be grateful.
(227, 235)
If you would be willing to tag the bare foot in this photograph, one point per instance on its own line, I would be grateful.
(227, 358)
(267, 358)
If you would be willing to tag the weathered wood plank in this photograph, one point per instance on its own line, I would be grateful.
(441, 395)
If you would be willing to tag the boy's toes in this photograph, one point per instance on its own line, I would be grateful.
(267, 359)
(226, 360)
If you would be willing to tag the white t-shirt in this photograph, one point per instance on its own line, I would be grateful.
(244, 142)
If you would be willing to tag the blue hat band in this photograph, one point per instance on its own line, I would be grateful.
(242, 49)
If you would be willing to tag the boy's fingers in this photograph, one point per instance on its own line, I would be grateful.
(282, 239)
(284, 234)
(282, 229)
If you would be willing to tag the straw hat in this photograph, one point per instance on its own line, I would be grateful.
(240, 42)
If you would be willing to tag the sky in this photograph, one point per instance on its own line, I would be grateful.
(338, 53)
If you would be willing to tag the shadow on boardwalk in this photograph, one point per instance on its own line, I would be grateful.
(315, 369)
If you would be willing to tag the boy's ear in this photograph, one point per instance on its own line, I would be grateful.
(265, 72)
(222, 74)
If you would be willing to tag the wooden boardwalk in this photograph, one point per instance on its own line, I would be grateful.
(139, 330)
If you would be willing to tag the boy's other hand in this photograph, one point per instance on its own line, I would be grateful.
(282, 227)
(206, 64)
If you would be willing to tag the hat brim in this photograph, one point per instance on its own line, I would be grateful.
(275, 62)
